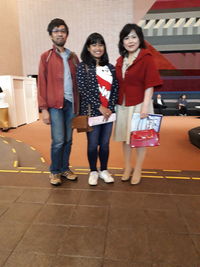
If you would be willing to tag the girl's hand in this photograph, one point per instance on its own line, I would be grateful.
(106, 112)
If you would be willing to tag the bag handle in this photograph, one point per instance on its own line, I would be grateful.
(87, 72)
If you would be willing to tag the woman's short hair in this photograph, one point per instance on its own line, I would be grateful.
(181, 96)
(57, 23)
(125, 32)
(87, 58)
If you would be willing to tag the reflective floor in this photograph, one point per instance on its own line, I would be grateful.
(153, 224)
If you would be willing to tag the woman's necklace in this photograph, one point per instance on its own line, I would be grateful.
(133, 56)
(129, 60)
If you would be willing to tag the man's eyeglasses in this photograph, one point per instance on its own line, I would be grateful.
(59, 30)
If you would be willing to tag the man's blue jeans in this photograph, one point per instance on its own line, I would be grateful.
(61, 134)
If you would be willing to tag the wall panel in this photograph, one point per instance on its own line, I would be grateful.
(140, 8)
(82, 16)
(10, 49)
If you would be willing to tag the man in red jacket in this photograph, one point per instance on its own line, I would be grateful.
(57, 94)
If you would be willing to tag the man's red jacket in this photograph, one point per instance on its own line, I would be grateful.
(51, 80)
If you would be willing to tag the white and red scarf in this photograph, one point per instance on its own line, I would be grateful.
(104, 79)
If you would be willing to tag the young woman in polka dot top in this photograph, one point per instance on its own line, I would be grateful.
(98, 90)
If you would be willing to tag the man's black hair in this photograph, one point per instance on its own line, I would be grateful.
(56, 23)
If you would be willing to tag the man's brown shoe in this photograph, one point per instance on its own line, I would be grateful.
(55, 178)
(69, 175)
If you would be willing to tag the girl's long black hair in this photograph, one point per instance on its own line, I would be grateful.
(87, 58)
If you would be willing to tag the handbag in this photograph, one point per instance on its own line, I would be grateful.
(145, 132)
(80, 123)
(144, 138)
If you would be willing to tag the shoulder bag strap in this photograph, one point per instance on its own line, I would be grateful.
(89, 106)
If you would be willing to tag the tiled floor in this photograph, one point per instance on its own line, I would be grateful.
(153, 224)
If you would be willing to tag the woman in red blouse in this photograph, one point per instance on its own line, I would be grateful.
(137, 76)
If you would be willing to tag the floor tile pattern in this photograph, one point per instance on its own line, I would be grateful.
(153, 224)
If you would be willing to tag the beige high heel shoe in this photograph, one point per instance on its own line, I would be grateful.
(137, 179)
(126, 177)
(134, 182)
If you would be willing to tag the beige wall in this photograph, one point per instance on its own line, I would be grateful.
(82, 16)
(10, 49)
(26, 21)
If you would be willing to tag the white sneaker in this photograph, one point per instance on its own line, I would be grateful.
(93, 178)
(106, 176)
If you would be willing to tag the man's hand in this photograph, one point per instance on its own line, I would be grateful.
(46, 116)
